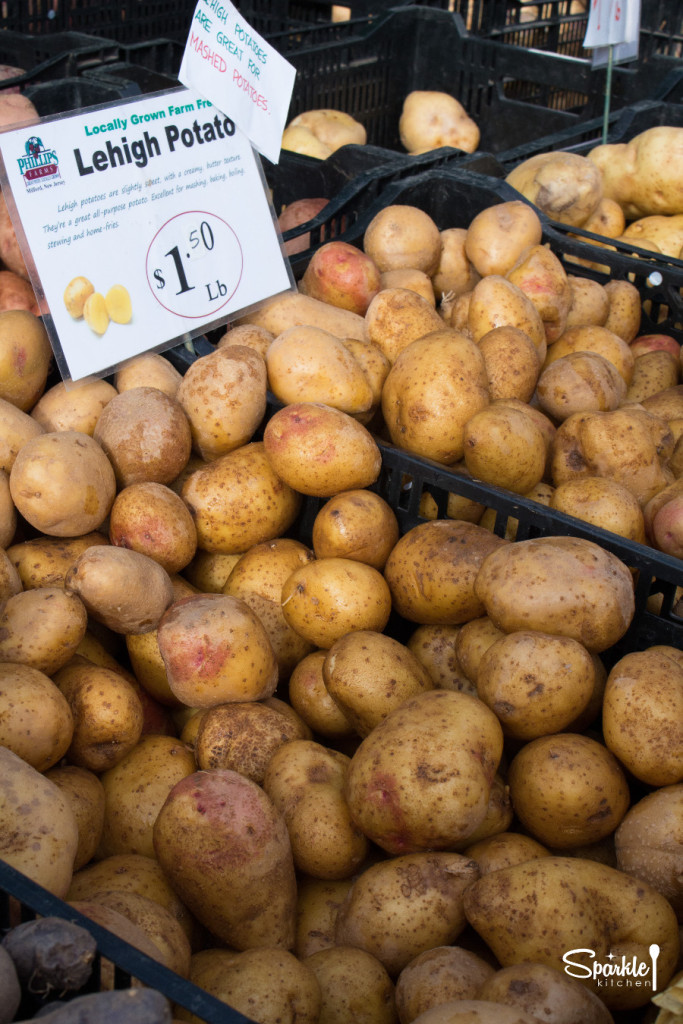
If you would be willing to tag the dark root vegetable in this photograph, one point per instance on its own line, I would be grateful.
(51, 955)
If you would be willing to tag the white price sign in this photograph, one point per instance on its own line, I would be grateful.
(162, 196)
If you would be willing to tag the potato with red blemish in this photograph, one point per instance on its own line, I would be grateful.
(151, 518)
(25, 357)
(225, 849)
(422, 779)
(319, 450)
(342, 275)
(216, 650)
(541, 276)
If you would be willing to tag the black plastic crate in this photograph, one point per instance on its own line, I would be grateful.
(44, 58)
(67, 94)
(129, 20)
(367, 70)
(21, 899)
(132, 79)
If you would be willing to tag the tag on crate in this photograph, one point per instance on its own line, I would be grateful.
(142, 225)
(613, 25)
(229, 63)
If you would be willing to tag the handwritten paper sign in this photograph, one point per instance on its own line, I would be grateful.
(230, 64)
(615, 24)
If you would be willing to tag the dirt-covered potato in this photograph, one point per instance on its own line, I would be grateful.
(436, 385)
(565, 186)
(434, 646)
(62, 483)
(77, 407)
(567, 790)
(216, 651)
(239, 500)
(595, 605)
(649, 845)
(432, 569)
(25, 357)
(236, 874)
(439, 975)
(546, 994)
(402, 235)
(244, 736)
(106, 710)
(84, 791)
(416, 783)
(425, 894)
(329, 597)
(45, 561)
(36, 722)
(125, 590)
(398, 316)
(223, 395)
(42, 628)
(643, 715)
(146, 436)
(45, 847)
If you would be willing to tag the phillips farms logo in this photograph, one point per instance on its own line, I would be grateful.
(614, 971)
(38, 163)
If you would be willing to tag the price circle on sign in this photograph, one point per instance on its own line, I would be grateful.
(194, 264)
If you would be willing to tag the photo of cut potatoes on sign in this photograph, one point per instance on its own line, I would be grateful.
(83, 302)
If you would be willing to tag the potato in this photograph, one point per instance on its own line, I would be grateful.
(595, 605)
(10, 250)
(434, 647)
(545, 993)
(473, 639)
(567, 790)
(305, 781)
(292, 309)
(236, 875)
(374, 365)
(398, 316)
(239, 500)
(474, 1011)
(308, 364)
(8, 513)
(269, 984)
(42, 628)
(298, 212)
(497, 302)
(152, 519)
(223, 395)
(667, 528)
(11, 987)
(356, 524)
(644, 698)
(310, 698)
(401, 235)
(342, 275)
(209, 570)
(118, 304)
(51, 956)
(45, 844)
(146, 436)
(45, 561)
(535, 683)
(439, 975)
(329, 597)
(84, 791)
(604, 503)
(77, 408)
(106, 710)
(135, 1004)
(504, 447)
(25, 357)
(541, 276)
(600, 340)
(498, 234)
(503, 850)
(35, 719)
(155, 921)
(435, 386)
(121, 926)
(135, 788)
(318, 901)
(608, 219)
(148, 370)
(431, 119)
(63, 483)
(641, 174)
(572, 905)
(368, 674)
(95, 313)
(414, 783)
(76, 293)
(580, 382)
(334, 128)
(319, 450)
(300, 139)
(244, 736)
(215, 651)
(512, 363)
(648, 843)
(565, 186)
(432, 569)
(624, 309)
(354, 986)
(125, 590)
(590, 302)
(424, 892)
(417, 280)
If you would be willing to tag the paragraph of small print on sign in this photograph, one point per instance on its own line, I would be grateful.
(230, 64)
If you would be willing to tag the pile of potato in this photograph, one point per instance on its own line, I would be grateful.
(361, 776)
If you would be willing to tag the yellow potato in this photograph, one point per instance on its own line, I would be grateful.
(590, 302)
(541, 276)
(648, 845)
(578, 383)
(602, 502)
(152, 519)
(497, 302)
(76, 408)
(357, 524)
(354, 986)
(625, 310)
(398, 316)
(414, 280)
(565, 186)
(118, 304)
(36, 722)
(498, 235)
(149, 370)
(334, 128)
(512, 363)
(473, 640)
(85, 793)
(431, 119)
(300, 139)
(663, 231)
(544, 993)
(435, 648)
(42, 627)
(310, 698)
(504, 850)
(8, 513)
(250, 335)
(439, 975)
(95, 313)
(308, 364)
(504, 447)
(401, 235)
(318, 901)
(75, 294)
(593, 338)
(642, 174)
(16, 428)
(25, 358)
